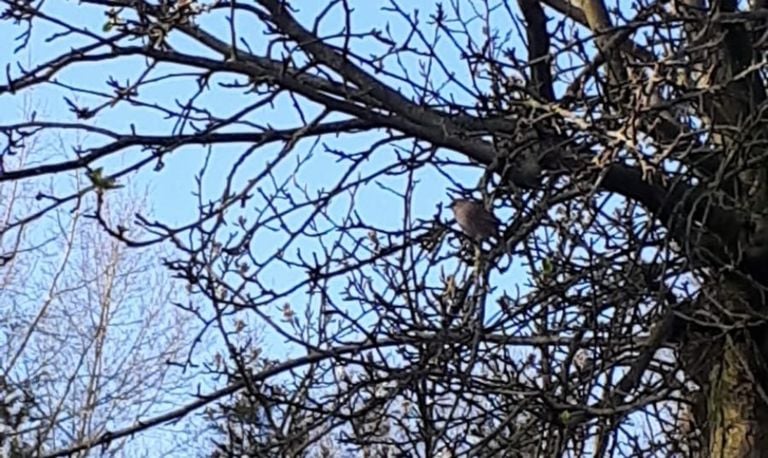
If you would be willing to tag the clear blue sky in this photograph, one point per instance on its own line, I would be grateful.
(171, 189)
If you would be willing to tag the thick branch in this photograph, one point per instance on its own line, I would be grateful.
(598, 20)
(538, 49)
(326, 55)
(568, 9)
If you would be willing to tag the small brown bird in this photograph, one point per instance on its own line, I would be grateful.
(477, 222)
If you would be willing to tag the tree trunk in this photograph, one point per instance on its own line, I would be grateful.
(732, 410)
(735, 410)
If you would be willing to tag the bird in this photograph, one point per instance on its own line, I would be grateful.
(475, 221)
(526, 171)
(520, 158)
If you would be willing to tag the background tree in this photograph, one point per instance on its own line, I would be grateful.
(622, 146)
(86, 334)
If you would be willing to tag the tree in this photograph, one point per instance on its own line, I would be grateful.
(85, 334)
(621, 145)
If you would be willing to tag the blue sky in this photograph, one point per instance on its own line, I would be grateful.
(171, 189)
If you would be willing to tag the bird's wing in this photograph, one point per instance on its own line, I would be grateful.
(489, 217)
